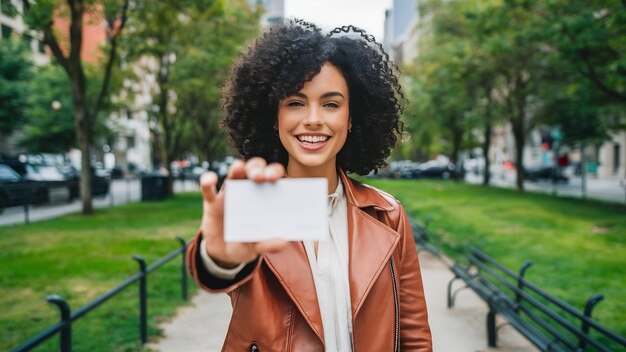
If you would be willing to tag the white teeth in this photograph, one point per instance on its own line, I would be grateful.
(312, 139)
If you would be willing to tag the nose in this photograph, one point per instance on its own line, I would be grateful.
(313, 117)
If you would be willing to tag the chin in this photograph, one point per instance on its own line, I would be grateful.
(313, 161)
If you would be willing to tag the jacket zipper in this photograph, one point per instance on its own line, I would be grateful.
(396, 341)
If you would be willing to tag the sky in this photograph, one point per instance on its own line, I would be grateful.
(328, 14)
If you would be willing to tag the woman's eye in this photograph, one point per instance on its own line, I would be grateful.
(331, 104)
(295, 103)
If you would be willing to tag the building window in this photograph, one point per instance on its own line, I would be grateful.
(129, 114)
(6, 32)
(41, 46)
(130, 142)
(616, 157)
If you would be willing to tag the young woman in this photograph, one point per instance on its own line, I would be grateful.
(300, 103)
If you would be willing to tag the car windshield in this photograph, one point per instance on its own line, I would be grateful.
(8, 174)
(44, 173)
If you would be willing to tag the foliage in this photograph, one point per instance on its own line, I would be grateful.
(532, 63)
(81, 258)
(591, 37)
(15, 71)
(188, 47)
(47, 129)
(576, 246)
(213, 41)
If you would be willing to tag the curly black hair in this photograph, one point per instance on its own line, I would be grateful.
(282, 60)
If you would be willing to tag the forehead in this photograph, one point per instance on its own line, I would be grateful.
(330, 78)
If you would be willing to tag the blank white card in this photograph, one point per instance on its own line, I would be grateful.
(293, 209)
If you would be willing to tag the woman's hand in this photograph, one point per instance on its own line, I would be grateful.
(231, 254)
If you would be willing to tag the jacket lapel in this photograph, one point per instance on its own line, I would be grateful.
(291, 267)
(370, 242)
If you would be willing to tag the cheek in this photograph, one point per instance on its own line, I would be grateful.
(282, 124)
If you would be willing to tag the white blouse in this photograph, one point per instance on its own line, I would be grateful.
(330, 274)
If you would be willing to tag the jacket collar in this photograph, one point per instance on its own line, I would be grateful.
(368, 241)
(363, 196)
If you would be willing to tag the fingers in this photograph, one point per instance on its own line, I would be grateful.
(274, 172)
(208, 185)
(237, 170)
(255, 169)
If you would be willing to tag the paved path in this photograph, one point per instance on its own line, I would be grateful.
(121, 192)
(202, 326)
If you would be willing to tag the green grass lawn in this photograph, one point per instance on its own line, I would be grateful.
(578, 248)
(80, 258)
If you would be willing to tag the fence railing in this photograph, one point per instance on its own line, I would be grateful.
(64, 326)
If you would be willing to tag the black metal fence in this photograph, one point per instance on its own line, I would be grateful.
(64, 326)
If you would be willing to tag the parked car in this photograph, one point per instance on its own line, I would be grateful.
(14, 190)
(546, 173)
(48, 183)
(100, 183)
(402, 168)
(434, 169)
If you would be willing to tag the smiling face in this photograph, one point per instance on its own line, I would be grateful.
(313, 124)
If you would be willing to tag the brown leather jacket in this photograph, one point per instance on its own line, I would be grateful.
(274, 301)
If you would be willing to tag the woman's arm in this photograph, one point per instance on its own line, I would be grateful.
(209, 281)
(414, 329)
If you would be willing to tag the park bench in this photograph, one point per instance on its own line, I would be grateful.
(423, 238)
(547, 322)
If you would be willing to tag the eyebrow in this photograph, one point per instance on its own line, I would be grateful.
(324, 96)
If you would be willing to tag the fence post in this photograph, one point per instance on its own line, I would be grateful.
(26, 215)
(143, 307)
(520, 283)
(183, 273)
(127, 189)
(591, 303)
(66, 318)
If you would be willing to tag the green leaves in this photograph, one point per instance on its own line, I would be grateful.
(49, 130)
(40, 16)
(204, 37)
(15, 71)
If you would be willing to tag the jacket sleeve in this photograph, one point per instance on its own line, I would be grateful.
(414, 328)
(209, 282)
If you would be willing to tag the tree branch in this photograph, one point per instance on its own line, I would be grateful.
(115, 30)
(50, 39)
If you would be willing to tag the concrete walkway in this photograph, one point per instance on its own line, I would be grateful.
(202, 326)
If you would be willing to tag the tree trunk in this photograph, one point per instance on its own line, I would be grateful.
(519, 158)
(583, 172)
(487, 139)
(82, 120)
(83, 135)
(163, 77)
(457, 136)
(517, 113)
(486, 147)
